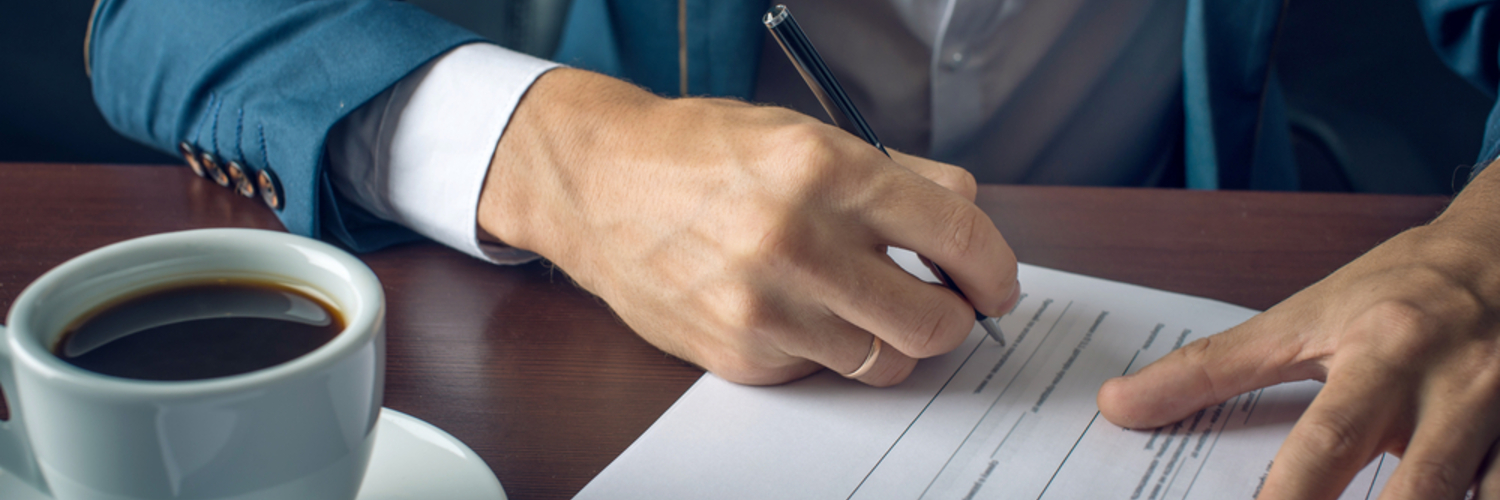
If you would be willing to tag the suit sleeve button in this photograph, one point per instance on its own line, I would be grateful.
(243, 184)
(212, 170)
(190, 155)
(270, 189)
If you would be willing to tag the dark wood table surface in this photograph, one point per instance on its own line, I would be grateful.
(548, 387)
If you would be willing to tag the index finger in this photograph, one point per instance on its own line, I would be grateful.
(953, 178)
(940, 225)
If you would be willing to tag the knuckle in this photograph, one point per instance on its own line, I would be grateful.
(1198, 350)
(935, 330)
(1428, 478)
(1398, 316)
(1199, 353)
(958, 180)
(743, 311)
(734, 367)
(804, 134)
(963, 226)
(1332, 435)
(749, 355)
(891, 372)
(811, 151)
(747, 370)
(820, 160)
(1398, 331)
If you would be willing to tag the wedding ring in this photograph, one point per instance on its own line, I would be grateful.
(869, 359)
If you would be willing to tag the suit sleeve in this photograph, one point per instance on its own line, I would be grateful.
(1466, 34)
(260, 84)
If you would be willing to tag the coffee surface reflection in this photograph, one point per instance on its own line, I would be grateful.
(200, 331)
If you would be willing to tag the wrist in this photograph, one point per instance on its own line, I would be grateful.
(568, 119)
(1460, 243)
(1475, 213)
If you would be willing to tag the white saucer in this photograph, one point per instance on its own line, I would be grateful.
(412, 460)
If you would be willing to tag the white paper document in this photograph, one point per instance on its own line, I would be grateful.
(982, 422)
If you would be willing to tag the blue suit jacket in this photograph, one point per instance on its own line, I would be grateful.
(262, 81)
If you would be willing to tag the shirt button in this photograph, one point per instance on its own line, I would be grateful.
(953, 59)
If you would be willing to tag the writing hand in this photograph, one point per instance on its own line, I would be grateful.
(749, 240)
(1407, 341)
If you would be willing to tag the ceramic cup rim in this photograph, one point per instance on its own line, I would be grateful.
(362, 317)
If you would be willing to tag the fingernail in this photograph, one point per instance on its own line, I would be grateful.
(1010, 302)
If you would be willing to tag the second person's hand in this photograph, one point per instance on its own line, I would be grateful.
(1407, 341)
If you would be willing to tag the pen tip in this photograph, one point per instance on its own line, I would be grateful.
(992, 327)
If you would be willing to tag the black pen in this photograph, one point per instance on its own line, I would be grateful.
(845, 116)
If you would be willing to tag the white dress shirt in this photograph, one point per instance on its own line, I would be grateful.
(418, 153)
(1081, 92)
(1034, 91)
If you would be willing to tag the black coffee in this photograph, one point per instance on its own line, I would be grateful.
(200, 330)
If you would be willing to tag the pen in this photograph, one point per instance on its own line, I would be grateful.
(845, 116)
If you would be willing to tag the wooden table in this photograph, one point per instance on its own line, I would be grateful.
(548, 386)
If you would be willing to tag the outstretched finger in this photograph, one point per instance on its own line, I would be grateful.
(1203, 373)
(1341, 431)
(1446, 450)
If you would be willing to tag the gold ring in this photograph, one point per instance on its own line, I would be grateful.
(869, 359)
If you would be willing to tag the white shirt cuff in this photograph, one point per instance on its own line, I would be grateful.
(418, 153)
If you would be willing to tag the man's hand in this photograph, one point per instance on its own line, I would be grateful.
(1407, 339)
(748, 240)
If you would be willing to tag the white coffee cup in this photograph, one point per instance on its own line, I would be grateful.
(299, 430)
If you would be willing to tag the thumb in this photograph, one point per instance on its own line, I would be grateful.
(1202, 373)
